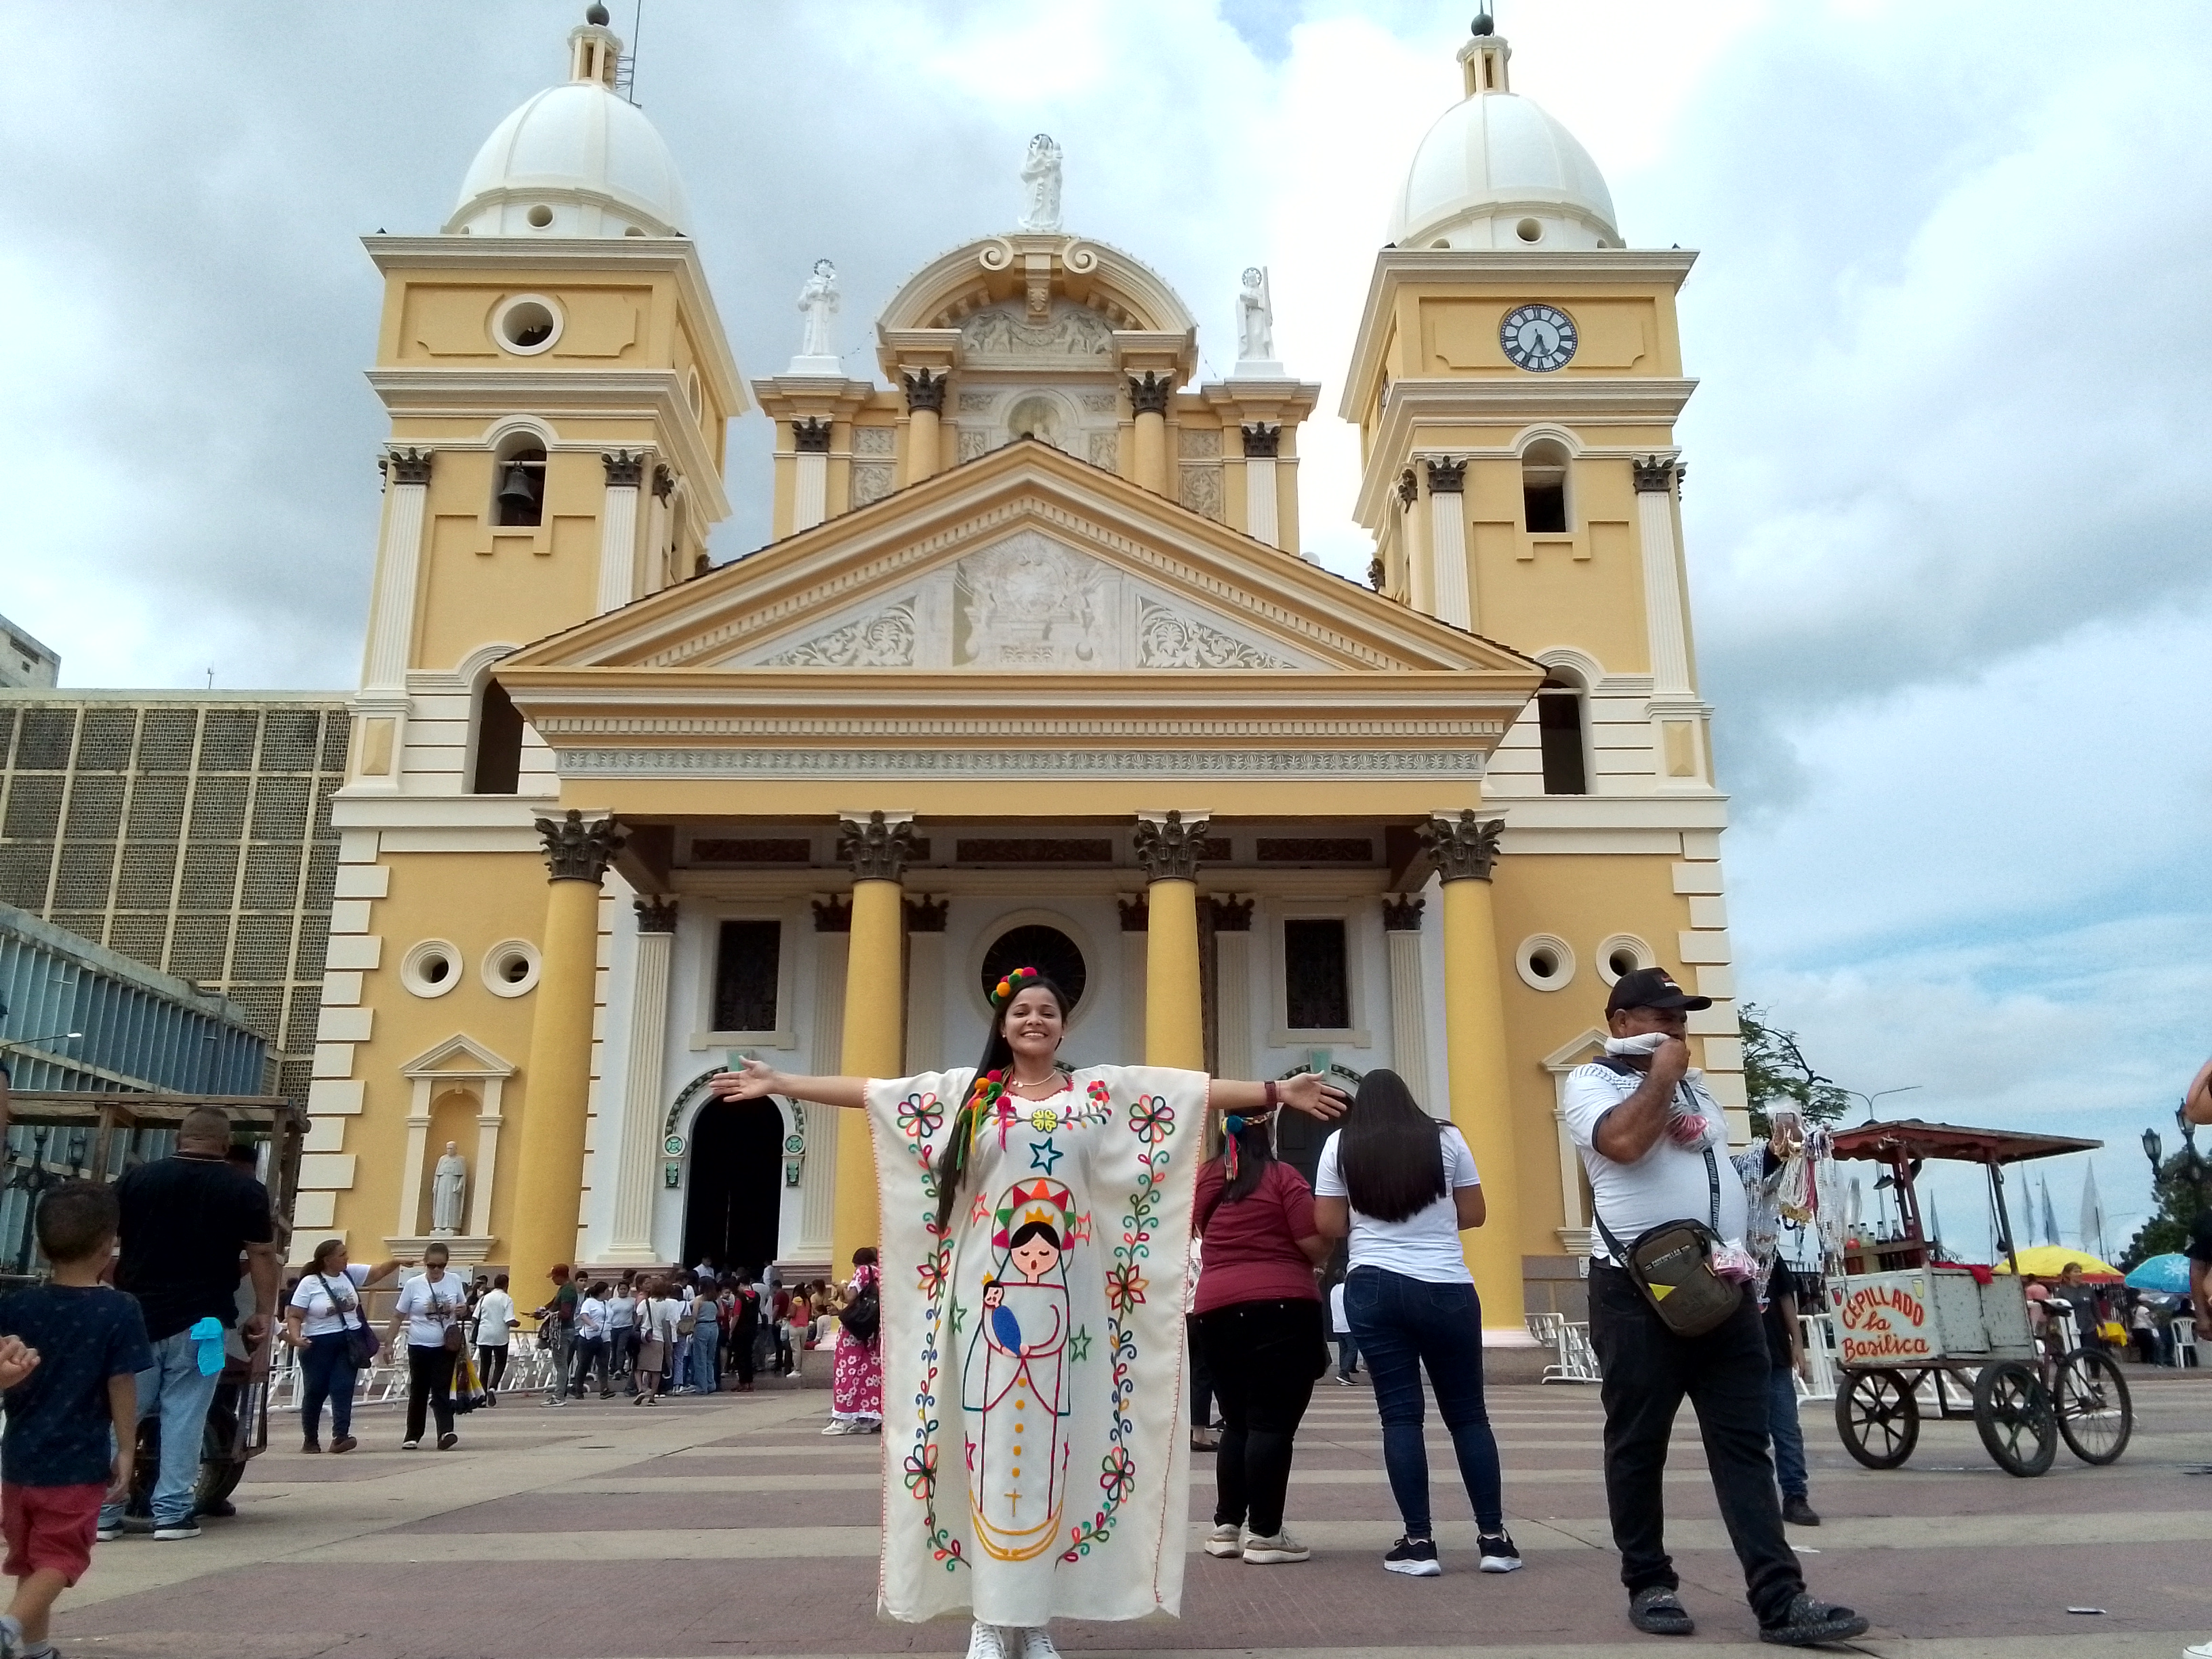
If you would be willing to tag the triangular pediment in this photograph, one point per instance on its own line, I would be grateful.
(459, 1055)
(1025, 560)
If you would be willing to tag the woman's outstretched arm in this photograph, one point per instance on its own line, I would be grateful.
(1308, 1092)
(756, 1080)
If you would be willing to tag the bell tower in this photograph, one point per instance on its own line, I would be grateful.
(558, 385)
(1516, 378)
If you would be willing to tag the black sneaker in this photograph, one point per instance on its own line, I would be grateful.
(1799, 1512)
(1415, 1557)
(1499, 1554)
(1809, 1623)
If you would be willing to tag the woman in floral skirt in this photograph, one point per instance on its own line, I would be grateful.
(856, 1386)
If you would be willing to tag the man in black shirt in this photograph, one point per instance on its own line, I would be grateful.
(186, 1221)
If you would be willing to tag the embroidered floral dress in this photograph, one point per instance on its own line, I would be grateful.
(1033, 1358)
(856, 1384)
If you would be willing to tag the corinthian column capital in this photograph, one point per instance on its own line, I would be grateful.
(1463, 849)
(408, 467)
(877, 848)
(1658, 474)
(625, 468)
(924, 390)
(577, 851)
(1149, 393)
(1169, 849)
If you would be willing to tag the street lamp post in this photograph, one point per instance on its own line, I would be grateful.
(1902, 1088)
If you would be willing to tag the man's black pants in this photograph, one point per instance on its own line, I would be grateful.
(1648, 1370)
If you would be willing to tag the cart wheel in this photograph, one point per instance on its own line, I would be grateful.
(2095, 1412)
(1878, 1417)
(2012, 1410)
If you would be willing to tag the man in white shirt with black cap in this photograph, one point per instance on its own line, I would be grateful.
(1654, 1141)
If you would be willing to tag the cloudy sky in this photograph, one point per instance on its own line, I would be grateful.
(1945, 512)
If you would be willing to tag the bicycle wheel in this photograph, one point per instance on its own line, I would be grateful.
(2013, 1413)
(2096, 1413)
(1878, 1417)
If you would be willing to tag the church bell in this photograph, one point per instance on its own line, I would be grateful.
(516, 492)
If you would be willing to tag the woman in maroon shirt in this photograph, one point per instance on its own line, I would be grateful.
(1258, 1316)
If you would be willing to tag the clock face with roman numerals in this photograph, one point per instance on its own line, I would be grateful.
(1538, 339)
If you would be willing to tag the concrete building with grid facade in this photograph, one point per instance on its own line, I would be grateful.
(189, 831)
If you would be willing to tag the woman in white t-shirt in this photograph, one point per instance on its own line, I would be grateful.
(496, 1323)
(430, 1308)
(326, 1305)
(1403, 1187)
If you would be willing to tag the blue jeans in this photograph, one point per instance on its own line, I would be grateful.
(705, 1345)
(1347, 1354)
(1402, 1326)
(172, 1389)
(679, 1369)
(326, 1372)
(1784, 1430)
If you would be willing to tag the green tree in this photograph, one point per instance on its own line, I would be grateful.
(1776, 1072)
(2177, 1194)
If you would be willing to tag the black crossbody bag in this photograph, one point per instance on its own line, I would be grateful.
(1672, 1263)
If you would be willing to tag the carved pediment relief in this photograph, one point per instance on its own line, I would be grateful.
(1028, 601)
(1006, 330)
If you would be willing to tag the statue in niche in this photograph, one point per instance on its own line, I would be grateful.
(1255, 319)
(818, 303)
(447, 1183)
(1041, 185)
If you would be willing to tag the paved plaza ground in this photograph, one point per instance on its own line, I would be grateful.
(729, 1526)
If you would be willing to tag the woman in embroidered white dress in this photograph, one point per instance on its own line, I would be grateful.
(1034, 1225)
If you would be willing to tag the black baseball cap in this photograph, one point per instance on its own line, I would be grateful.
(1651, 987)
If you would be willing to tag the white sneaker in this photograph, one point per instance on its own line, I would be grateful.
(838, 1426)
(2200, 1651)
(985, 1642)
(1035, 1643)
(1278, 1551)
(1225, 1541)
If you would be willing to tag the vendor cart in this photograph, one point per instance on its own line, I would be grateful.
(1906, 1322)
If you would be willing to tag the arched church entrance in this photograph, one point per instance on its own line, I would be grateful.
(733, 1209)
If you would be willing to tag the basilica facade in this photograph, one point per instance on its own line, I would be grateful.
(1032, 670)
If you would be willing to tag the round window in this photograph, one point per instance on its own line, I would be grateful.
(432, 968)
(539, 216)
(1545, 963)
(510, 968)
(526, 324)
(1623, 953)
(1048, 949)
(1529, 230)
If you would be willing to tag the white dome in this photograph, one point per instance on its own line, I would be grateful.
(576, 161)
(1496, 169)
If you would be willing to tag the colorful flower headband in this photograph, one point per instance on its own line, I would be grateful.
(1003, 992)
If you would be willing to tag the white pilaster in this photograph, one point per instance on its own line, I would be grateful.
(399, 568)
(1448, 543)
(489, 1124)
(1409, 1017)
(409, 1222)
(1260, 516)
(1662, 582)
(1232, 993)
(1134, 947)
(638, 1159)
(925, 1000)
(819, 1191)
(809, 494)
(618, 531)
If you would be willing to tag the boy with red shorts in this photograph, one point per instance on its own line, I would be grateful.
(72, 1413)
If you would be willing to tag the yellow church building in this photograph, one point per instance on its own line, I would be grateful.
(1033, 670)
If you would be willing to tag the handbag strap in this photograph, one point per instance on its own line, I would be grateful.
(338, 1308)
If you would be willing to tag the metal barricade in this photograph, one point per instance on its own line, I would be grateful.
(1577, 1361)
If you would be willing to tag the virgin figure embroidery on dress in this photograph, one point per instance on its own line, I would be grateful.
(1015, 1396)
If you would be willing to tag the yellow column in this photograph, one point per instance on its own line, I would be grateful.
(548, 1173)
(875, 1003)
(1463, 851)
(924, 400)
(1148, 400)
(1175, 1026)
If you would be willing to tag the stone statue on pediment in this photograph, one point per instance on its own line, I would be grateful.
(1041, 185)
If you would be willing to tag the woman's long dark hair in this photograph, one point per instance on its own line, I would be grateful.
(1390, 1152)
(949, 1169)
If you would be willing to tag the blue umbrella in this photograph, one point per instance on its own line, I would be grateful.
(2167, 1274)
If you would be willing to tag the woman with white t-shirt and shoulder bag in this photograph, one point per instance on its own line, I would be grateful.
(324, 1322)
(430, 1308)
(1402, 1187)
